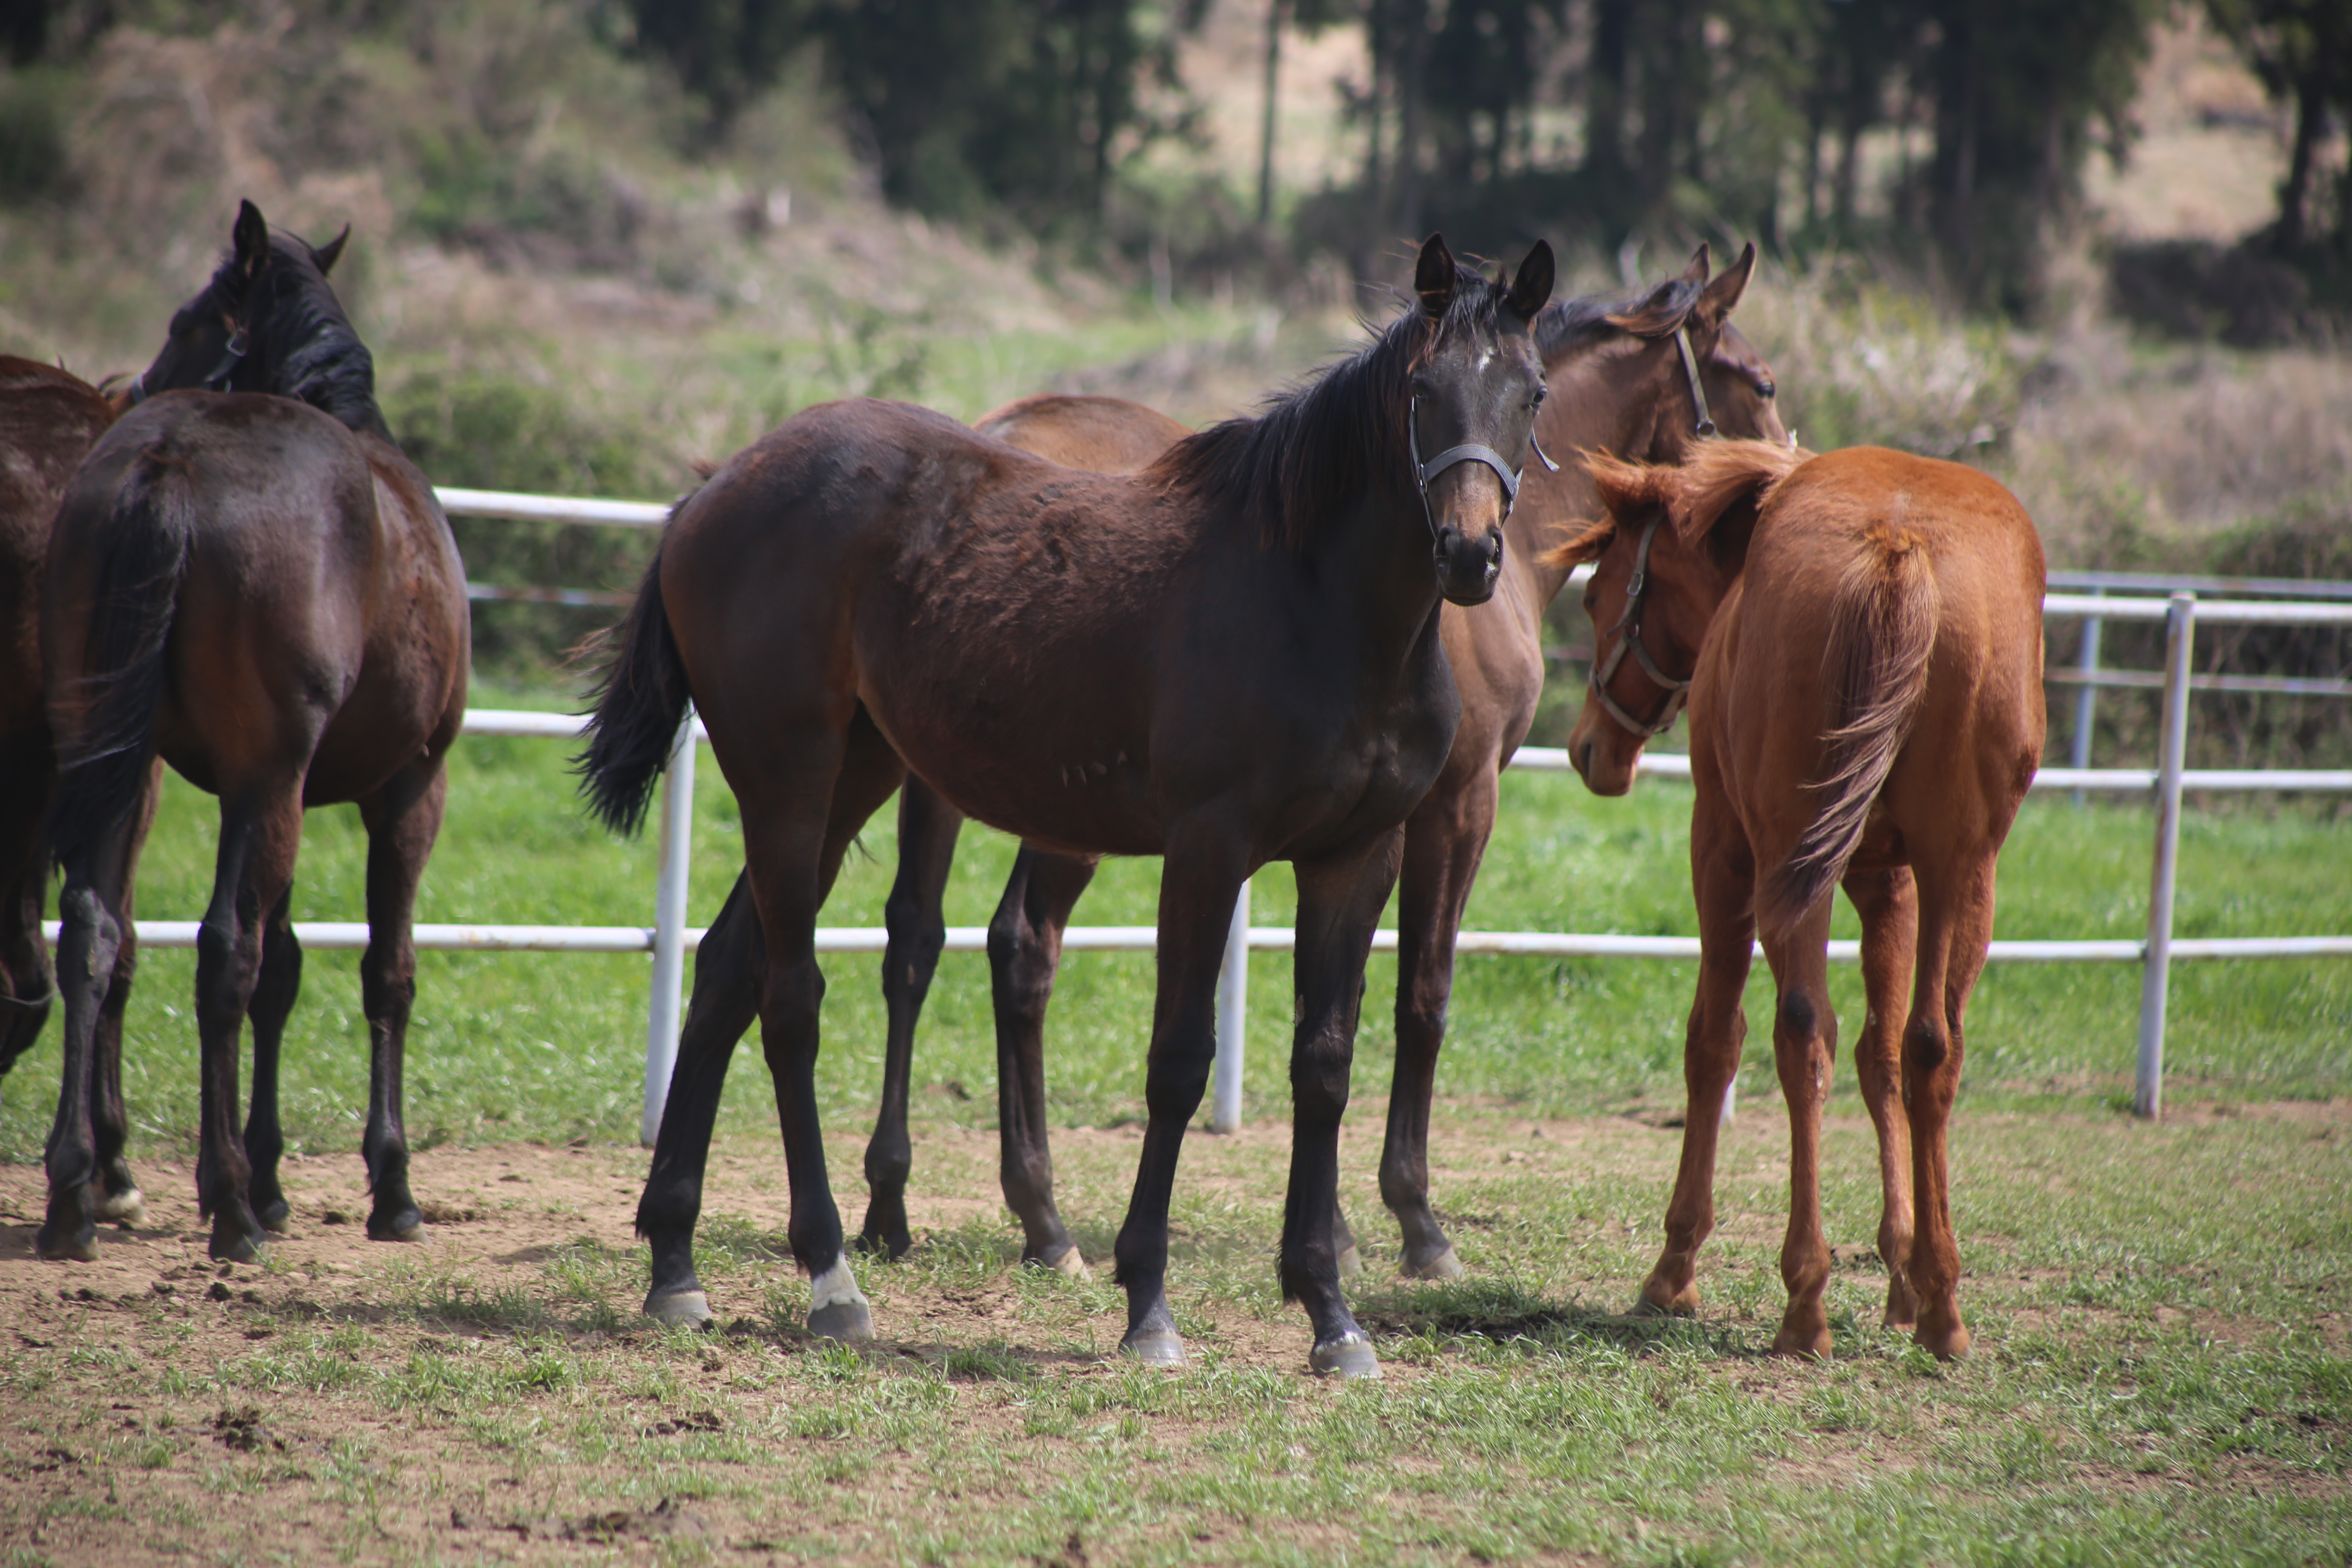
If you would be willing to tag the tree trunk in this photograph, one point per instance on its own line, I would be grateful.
(1274, 16)
(2295, 191)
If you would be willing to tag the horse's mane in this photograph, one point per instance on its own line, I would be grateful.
(318, 354)
(1311, 451)
(1647, 313)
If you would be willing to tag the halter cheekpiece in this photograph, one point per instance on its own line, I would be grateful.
(232, 354)
(1600, 674)
(1468, 452)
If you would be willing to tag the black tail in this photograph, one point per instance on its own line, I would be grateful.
(104, 757)
(639, 702)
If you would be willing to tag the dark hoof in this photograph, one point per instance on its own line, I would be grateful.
(842, 1320)
(680, 1308)
(1350, 1262)
(71, 1245)
(1154, 1347)
(234, 1246)
(1347, 1358)
(273, 1215)
(889, 1248)
(1445, 1266)
(407, 1224)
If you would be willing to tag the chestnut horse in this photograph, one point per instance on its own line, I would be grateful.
(1863, 634)
(48, 419)
(1231, 658)
(256, 586)
(1618, 383)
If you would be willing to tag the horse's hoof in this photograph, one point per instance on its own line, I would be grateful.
(1655, 1302)
(1445, 1266)
(273, 1215)
(1070, 1263)
(842, 1320)
(66, 1248)
(1802, 1344)
(128, 1207)
(1350, 1261)
(680, 1308)
(408, 1224)
(1948, 1345)
(1154, 1347)
(1347, 1358)
(235, 1246)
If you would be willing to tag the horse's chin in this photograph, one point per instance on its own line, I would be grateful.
(1604, 772)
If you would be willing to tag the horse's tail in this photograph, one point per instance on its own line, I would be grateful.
(1882, 631)
(103, 758)
(640, 701)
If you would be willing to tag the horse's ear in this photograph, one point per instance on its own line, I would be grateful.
(1532, 287)
(250, 239)
(1698, 270)
(1434, 276)
(327, 255)
(1717, 300)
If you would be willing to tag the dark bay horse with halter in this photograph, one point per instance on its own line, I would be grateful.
(258, 587)
(1635, 374)
(49, 421)
(1231, 658)
(1863, 636)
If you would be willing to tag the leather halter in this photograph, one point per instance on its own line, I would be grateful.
(232, 355)
(1705, 425)
(1599, 676)
(1468, 452)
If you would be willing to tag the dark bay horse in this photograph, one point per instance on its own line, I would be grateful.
(1231, 658)
(49, 421)
(1863, 636)
(1618, 383)
(255, 584)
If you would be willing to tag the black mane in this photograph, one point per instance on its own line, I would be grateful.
(306, 343)
(1311, 451)
(1648, 312)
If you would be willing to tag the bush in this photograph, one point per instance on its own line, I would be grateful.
(32, 136)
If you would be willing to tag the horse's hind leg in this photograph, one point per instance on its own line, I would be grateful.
(403, 819)
(1804, 1042)
(1955, 924)
(1444, 842)
(928, 830)
(1889, 903)
(730, 968)
(27, 983)
(273, 1002)
(1723, 880)
(260, 834)
(123, 1203)
(1024, 949)
(94, 923)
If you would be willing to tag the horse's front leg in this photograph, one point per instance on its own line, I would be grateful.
(95, 923)
(1340, 903)
(123, 1203)
(1202, 875)
(1444, 842)
(730, 970)
(1025, 950)
(403, 819)
(273, 1003)
(1956, 905)
(1889, 903)
(1804, 1044)
(928, 830)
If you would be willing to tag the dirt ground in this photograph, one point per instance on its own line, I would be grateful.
(118, 1444)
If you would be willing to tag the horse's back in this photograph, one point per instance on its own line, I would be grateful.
(1103, 435)
(49, 421)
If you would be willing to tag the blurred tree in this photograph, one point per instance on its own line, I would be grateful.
(2302, 49)
(726, 52)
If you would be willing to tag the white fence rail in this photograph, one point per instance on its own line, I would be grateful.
(669, 938)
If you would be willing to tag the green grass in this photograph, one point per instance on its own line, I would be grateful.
(549, 1047)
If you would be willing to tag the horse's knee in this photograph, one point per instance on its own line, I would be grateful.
(1799, 1020)
(1924, 1045)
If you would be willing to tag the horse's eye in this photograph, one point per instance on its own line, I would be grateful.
(1764, 388)
(1542, 392)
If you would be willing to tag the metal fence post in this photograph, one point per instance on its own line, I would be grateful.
(1233, 1014)
(2086, 701)
(2179, 627)
(669, 928)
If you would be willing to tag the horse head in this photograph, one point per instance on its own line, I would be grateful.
(1475, 385)
(1667, 548)
(240, 331)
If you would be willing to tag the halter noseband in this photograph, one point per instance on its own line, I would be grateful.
(1468, 452)
(1600, 674)
(232, 354)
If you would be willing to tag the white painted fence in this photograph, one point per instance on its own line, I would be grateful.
(669, 938)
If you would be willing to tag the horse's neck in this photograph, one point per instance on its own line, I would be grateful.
(1599, 423)
(1377, 561)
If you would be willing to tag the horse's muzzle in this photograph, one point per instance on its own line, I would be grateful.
(1467, 566)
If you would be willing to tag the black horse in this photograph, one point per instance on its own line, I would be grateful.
(260, 588)
(1230, 659)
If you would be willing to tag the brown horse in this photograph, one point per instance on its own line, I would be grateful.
(1620, 382)
(1863, 634)
(1231, 658)
(259, 588)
